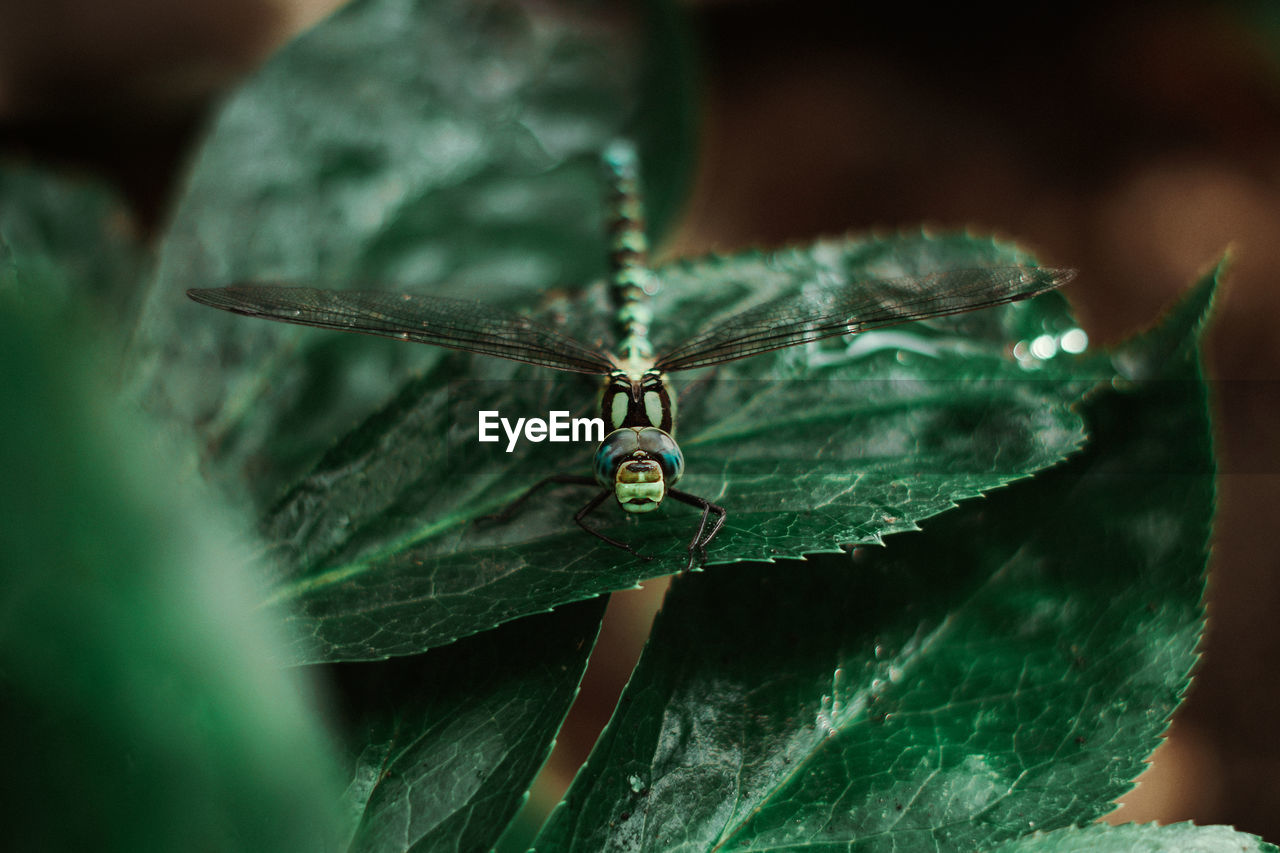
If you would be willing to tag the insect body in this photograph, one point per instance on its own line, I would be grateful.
(639, 461)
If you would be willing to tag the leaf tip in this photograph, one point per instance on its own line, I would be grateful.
(1178, 330)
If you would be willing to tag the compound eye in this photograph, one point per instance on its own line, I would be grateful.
(662, 448)
(612, 452)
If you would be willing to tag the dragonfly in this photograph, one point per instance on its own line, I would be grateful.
(639, 462)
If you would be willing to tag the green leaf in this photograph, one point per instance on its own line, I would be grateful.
(137, 706)
(1169, 347)
(451, 146)
(809, 449)
(450, 741)
(67, 246)
(1136, 838)
(1008, 669)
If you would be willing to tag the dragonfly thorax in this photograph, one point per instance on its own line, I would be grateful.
(638, 397)
(639, 464)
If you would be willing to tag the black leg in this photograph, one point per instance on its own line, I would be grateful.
(580, 518)
(698, 547)
(510, 509)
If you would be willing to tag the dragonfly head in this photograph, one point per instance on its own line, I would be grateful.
(639, 485)
(639, 464)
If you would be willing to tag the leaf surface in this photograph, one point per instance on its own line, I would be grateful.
(450, 146)
(1007, 670)
(448, 742)
(811, 448)
(67, 247)
(1135, 838)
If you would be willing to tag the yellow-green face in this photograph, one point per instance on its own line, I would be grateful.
(639, 486)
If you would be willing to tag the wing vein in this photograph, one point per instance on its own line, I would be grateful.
(453, 323)
(856, 306)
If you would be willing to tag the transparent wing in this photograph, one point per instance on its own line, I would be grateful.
(453, 323)
(856, 306)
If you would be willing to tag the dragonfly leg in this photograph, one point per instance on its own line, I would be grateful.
(510, 509)
(701, 539)
(580, 518)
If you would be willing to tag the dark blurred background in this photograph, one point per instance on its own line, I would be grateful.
(1132, 141)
